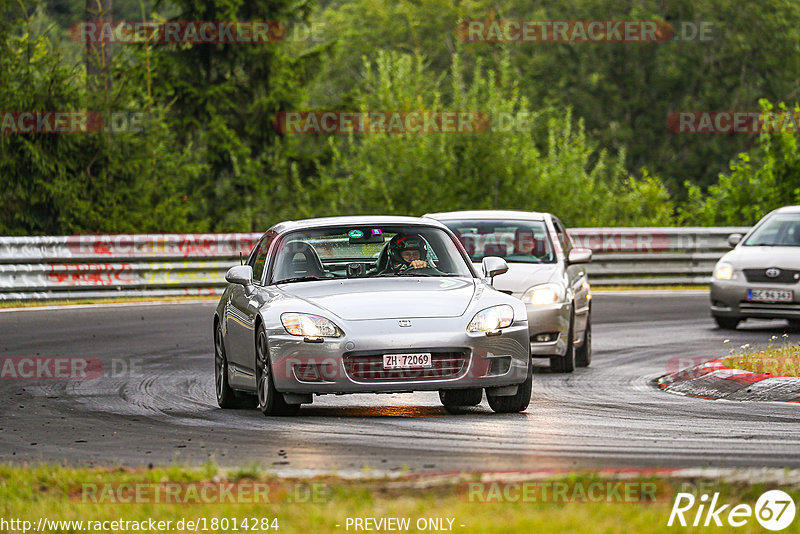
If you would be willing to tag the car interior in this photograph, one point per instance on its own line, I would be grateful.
(782, 230)
(513, 243)
(342, 255)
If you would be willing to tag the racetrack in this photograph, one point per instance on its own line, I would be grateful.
(160, 404)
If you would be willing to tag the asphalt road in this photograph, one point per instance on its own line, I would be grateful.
(155, 402)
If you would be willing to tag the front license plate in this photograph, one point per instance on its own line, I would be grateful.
(770, 295)
(407, 361)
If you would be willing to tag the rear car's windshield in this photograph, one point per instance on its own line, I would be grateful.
(515, 241)
(367, 251)
(781, 229)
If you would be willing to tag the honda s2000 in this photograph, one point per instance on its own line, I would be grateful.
(368, 305)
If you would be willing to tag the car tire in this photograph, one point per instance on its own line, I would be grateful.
(514, 403)
(226, 396)
(727, 323)
(566, 363)
(583, 354)
(455, 400)
(270, 400)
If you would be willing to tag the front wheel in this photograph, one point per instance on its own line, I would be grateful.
(270, 401)
(226, 397)
(455, 400)
(566, 363)
(514, 403)
(727, 323)
(583, 355)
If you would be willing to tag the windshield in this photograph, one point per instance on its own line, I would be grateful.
(781, 229)
(332, 253)
(514, 241)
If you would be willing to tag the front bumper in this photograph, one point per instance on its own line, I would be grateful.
(353, 363)
(729, 299)
(552, 319)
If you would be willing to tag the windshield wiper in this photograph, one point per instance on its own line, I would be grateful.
(299, 279)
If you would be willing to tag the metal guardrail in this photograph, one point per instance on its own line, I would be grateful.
(89, 266)
(653, 256)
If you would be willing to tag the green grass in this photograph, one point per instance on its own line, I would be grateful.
(57, 493)
(781, 360)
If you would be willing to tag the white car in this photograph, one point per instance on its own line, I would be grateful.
(545, 271)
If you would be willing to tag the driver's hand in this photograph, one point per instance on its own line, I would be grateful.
(418, 264)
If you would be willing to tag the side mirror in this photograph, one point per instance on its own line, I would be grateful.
(240, 274)
(579, 255)
(734, 239)
(493, 266)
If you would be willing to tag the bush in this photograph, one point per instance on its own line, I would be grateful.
(545, 163)
(758, 183)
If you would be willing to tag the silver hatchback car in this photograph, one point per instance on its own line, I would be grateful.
(545, 271)
(760, 277)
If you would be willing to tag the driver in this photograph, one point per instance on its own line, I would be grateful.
(407, 251)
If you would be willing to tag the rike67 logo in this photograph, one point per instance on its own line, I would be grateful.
(774, 510)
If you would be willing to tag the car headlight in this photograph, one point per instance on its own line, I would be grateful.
(544, 294)
(724, 271)
(491, 319)
(305, 325)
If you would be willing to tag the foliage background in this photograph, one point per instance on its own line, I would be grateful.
(593, 146)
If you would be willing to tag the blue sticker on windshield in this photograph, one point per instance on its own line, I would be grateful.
(355, 234)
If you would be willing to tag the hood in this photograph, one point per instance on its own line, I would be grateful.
(387, 298)
(763, 257)
(521, 276)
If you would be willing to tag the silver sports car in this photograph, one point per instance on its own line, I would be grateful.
(368, 305)
(760, 278)
(545, 271)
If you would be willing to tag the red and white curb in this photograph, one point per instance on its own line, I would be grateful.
(713, 380)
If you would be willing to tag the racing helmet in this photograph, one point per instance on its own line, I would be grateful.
(402, 243)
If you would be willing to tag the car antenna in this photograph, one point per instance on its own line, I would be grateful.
(241, 259)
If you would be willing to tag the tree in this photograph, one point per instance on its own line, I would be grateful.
(411, 173)
(758, 182)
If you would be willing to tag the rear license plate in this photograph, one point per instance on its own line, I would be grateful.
(407, 361)
(770, 295)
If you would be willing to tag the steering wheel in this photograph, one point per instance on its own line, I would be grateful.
(423, 271)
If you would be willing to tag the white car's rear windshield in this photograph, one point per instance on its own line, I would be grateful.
(781, 229)
(515, 241)
(367, 251)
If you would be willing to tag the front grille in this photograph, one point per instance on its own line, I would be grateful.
(369, 367)
(786, 276)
